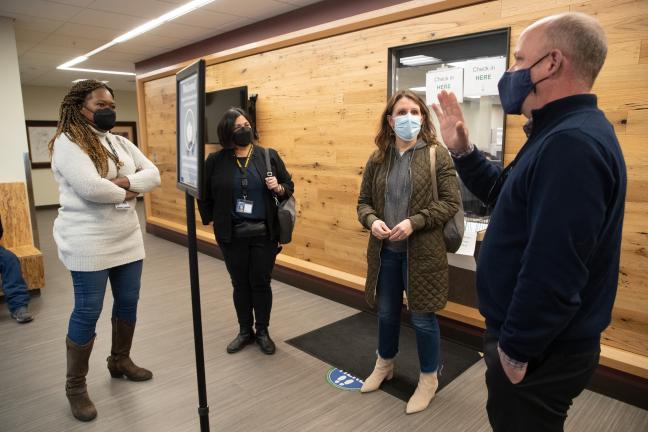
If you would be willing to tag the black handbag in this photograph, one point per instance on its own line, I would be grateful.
(453, 230)
(286, 213)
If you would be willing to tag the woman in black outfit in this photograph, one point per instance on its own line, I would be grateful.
(240, 200)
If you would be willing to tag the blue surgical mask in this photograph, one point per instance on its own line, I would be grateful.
(514, 87)
(407, 127)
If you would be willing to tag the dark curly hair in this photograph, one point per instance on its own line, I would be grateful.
(77, 127)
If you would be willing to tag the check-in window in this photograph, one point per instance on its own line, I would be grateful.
(470, 66)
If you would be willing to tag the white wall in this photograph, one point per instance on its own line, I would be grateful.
(12, 118)
(43, 103)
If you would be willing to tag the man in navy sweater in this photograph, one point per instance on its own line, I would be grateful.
(548, 267)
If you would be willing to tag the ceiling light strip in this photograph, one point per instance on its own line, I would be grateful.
(147, 26)
(96, 71)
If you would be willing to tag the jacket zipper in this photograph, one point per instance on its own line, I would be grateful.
(381, 241)
(409, 203)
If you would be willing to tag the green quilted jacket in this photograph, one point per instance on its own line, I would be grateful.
(427, 274)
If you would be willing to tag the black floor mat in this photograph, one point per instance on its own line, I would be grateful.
(350, 344)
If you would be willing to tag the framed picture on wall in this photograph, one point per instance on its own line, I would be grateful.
(39, 133)
(127, 129)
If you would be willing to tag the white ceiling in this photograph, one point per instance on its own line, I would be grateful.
(51, 32)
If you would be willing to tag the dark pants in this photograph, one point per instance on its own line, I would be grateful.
(13, 284)
(541, 400)
(249, 262)
(392, 281)
(89, 292)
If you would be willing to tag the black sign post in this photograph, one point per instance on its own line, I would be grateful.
(190, 109)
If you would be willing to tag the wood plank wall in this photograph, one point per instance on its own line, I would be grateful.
(319, 104)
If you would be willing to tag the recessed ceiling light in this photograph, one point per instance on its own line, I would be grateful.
(418, 60)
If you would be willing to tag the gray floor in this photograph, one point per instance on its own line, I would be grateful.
(247, 391)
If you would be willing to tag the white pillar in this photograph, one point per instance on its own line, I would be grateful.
(13, 141)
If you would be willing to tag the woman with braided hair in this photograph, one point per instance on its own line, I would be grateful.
(97, 231)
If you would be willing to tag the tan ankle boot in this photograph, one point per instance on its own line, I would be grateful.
(75, 385)
(119, 362)
(384, 370)
(427, 387)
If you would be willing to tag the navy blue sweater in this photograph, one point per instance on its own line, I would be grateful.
(548, 268)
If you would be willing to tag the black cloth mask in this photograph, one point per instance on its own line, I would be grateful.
(243, 136)
(104, 118)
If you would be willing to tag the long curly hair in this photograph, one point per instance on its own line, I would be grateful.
(385, 136)
(77, 127)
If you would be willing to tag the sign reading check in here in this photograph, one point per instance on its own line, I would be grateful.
(471, 78)
(448, 79)
(482, 75)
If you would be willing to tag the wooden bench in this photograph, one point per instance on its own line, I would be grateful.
(18, 238)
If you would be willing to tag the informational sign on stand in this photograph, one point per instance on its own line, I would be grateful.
(190, 146)
(190, 87)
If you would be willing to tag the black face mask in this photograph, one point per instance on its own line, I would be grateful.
(104, 118)
(243, 136)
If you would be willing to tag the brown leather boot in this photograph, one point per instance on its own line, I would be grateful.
(75, 386)
(119, 362)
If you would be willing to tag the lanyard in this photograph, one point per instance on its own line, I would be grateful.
(115, 159)
(247, 161)
(243, 169)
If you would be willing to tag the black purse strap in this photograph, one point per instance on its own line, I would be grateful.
(269, 171)
(267, 161)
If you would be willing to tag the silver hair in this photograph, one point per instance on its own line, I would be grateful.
(581, 39)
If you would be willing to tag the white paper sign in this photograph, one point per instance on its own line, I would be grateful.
(449, 79)
(468, 243)
(188, 130)
(482, 75)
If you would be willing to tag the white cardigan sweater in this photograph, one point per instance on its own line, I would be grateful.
(90, 232)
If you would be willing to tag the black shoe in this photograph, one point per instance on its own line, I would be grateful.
(245, 337)
(22, 315)
(265, 343)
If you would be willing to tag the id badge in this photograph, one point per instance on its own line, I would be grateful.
(244, 206)
(123, 206)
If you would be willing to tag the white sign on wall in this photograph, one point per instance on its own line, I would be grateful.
(482, 75)
(449, 79)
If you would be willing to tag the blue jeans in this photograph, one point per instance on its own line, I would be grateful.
(392, 281)
(13, 284)
(89, 291)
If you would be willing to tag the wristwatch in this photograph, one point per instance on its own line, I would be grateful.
(458, 155)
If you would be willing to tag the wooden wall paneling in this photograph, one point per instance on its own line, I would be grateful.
(31, 266)
(319, 104)
(18, 237)
(515, 8)
(643, 54)
(637, 122)
(14, 210)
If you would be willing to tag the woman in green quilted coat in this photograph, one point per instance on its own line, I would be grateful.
(406, 251)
